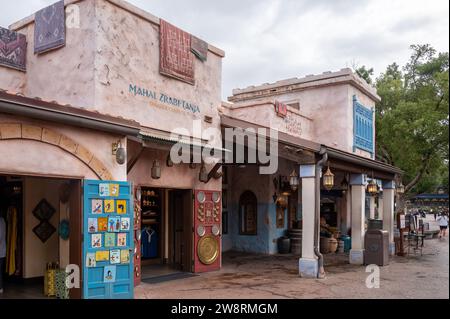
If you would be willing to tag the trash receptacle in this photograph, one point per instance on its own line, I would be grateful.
(375, 224)
(347, 243)
(376, 247)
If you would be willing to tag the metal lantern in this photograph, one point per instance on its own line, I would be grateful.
(372, 187)
(400, 188)
(328, 179)
(344, 185)
(169, 162)
(119, 152)
(156, 170)
(203, 175)
(293, 180)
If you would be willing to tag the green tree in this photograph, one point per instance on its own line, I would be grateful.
(412, 118)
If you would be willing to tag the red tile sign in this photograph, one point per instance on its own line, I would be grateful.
(176, 58)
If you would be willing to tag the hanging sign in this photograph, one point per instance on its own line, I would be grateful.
(280, 109)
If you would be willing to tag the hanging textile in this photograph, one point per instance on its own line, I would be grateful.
(199, 48)
(176, 58)
(149, 240)
(50, 28)
(11, 241)
(13, 49)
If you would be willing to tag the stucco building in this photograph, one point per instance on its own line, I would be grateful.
(86, 133)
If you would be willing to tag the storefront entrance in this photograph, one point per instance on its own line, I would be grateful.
(43, 230)
(166, 232)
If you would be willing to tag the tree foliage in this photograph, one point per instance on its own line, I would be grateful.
(412, 118)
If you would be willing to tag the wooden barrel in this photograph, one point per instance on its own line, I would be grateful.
(296, 241)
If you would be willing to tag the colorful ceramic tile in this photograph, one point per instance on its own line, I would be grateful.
(90, 260)
(114, 190)
(110, 239)
(125, 224)
(109, 206)
(125, 256)
(109, 274)
(114, 224)
(103, 224)
(96, 206)
(92, 225)
(103, 190)
(96, 240)
(102, 255)
(122, 239)
(114, 256)
(121, 207)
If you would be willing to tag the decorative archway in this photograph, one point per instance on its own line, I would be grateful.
(18, 131)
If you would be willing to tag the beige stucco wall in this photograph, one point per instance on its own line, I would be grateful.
(179, 176)
(128, 53)
(46, 159)
(295, 123)
(325, 115)
(65, 75)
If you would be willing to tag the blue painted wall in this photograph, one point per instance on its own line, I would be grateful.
(265, 242)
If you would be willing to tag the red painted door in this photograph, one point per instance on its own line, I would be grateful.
(137, 236)
(207, 230)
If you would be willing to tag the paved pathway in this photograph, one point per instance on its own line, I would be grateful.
(257, 276)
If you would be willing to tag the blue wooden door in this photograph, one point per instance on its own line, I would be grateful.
(108, 244)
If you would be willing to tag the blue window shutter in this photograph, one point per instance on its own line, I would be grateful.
(363, 127)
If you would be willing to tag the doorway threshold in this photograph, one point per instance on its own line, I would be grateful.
(168, 277)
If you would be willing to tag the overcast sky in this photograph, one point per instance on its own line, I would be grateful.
(270, 40)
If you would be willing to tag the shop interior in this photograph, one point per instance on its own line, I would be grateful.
(43, 221)
(165, 232)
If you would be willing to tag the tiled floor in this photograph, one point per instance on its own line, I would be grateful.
(23, 291)
(151, 271)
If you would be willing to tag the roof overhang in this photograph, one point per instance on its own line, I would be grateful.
(51, 111)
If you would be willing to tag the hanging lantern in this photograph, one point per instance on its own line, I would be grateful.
(328, 179)
(344, 185)
(156, 170)
(293, 180)
(119, 152)
(372, 187)
(400, 188)
(169, 162)
(203, 175)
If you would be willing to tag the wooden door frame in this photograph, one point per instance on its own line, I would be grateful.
(76, 234)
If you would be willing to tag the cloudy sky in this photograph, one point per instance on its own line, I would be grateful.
(269, 40)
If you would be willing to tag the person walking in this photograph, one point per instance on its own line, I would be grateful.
(443, 224)
(2, 249)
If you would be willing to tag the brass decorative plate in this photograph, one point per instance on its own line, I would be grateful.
(208, 250)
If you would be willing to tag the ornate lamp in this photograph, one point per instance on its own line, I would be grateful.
(156, 170)
(293, 180)
(328, 179)
(400, 188)
(344, 184)
(119, 151)
(372, 187)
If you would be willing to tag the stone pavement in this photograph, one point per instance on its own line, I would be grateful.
(264, 277)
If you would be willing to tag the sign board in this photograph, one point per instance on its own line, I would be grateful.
(108, 241)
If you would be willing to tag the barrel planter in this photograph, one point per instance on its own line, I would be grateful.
(324, 245)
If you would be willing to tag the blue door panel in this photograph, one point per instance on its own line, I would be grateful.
(94, 284)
